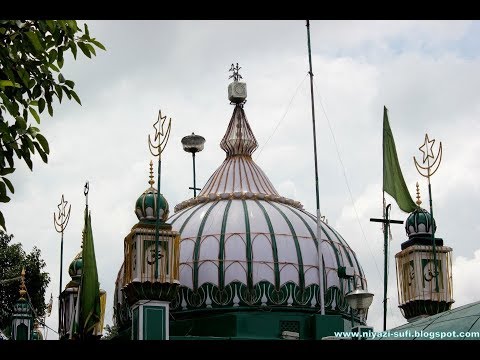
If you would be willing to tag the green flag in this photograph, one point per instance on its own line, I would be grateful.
(89, 287)
(393, 182)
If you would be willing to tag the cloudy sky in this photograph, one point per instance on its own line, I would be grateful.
(425, 72)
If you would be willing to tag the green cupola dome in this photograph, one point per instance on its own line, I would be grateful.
(420, 221)
(146, 205)
(76, 266)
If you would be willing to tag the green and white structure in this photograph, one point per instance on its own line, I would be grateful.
(22, 317)
(248, 259)
(417, 293)
(147, 297)
(68, 301)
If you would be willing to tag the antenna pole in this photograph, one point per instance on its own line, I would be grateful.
(319, 237)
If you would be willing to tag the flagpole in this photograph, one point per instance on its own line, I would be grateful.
(319, 232)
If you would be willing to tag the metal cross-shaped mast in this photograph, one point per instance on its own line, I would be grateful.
(386, 225)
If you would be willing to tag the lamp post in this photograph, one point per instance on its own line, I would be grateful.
(360, 300)
(193, 144)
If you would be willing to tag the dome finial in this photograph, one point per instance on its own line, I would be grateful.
(151, 181)
(418, 196)
(23, 290)
(237, 91)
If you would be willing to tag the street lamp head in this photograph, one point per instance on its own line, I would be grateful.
(193, 143)
(360, 300)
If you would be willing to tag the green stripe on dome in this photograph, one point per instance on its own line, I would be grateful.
(189, 217)
(301, 274)
(196, 249)
(248, 247)
(362, 275)
(221, 249)
(178, 215)
(274, 246)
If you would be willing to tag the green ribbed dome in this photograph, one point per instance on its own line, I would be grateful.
(419, 222)
(76, 266)
(21, 306)
(146, 209)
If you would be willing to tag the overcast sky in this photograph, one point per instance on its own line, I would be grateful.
(425, 72)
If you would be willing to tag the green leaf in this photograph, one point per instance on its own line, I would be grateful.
(59, 91)
(29, 162)
(73, 46)
(3, 189)
(6, 171)
(41, 139)
(60, 63)
(34, 114)
(41, 105)
(41, 152)
(29, 144)
(32, 36)
(70, 84)
(61, 78)
(52, 56)
(9, 184)
(53, 67)
(50, 109)
(98, 44)
(73, 25)
(5, 83)
(75, 96)
(86, 29)
(31, 83)
(84, 49)
(33, 131)
(23, 75)
(4, 198)
(91, 48)
(2, 221)
(51, 25)
(20, 121)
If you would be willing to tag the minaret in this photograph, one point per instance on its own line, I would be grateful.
(148, 296)
(22, 318)
(416, 271)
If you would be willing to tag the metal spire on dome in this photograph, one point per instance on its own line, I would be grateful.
(151, 181)
(419, 202)
(23, 288)
(239, 138)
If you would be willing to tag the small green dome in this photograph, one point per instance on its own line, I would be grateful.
(419, 222)
(76, 266)
(21, 306)
(146, 209)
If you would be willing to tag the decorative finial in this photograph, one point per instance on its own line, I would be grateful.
(235, 69)
(419, 202)
(23, 290)
(151, 181)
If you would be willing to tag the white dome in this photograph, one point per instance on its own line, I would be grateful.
(242, 244)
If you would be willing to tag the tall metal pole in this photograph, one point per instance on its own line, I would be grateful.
(156, 150)
(194, 181)
(386, 223)
(157, 220)
(60, 222)
(319, 237)
(385, 267)
(430, 169)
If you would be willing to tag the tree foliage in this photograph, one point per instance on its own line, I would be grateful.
(31, 58)
(12, 259)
